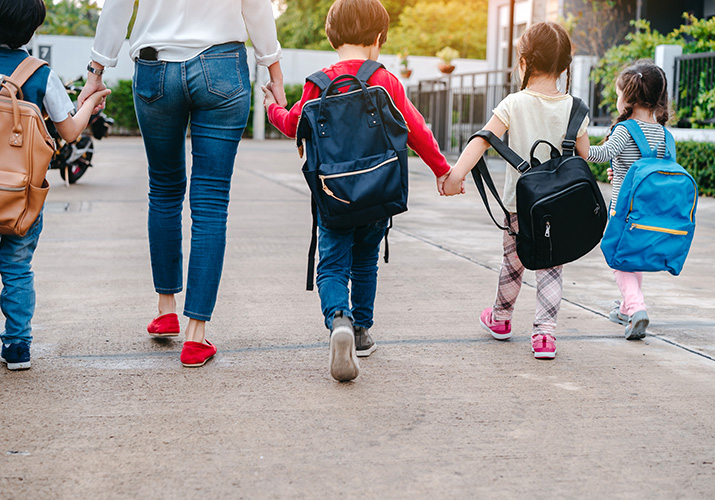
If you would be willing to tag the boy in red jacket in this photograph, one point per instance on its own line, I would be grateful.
(356, 29)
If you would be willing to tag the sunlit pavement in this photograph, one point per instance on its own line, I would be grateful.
(440, 410)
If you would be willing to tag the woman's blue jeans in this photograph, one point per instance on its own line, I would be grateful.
(349, 256)
(210, 92)
(17, 299)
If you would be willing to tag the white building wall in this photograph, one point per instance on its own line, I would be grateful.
(68, 56)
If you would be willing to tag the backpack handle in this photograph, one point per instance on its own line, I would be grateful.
(16, 135)
(373, 119)
(5, 81)
(535, 161)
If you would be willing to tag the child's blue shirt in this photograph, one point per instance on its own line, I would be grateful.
(43, 88)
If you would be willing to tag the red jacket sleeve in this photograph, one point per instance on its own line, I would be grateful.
(420, 137)
(286, 120)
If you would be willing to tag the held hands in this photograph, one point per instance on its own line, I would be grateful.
(451, 184)
(609, 172)
(96, 100)
(268, 97)
(94, 84)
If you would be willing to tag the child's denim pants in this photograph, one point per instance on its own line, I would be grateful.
(349, 255)
(17, 300)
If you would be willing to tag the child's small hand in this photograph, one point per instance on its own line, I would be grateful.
(453, 185)
(268, 97)
(96, 99)
(609, 172)
(440, 183)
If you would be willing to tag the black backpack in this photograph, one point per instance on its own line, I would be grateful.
(355, 145)
(560, 209)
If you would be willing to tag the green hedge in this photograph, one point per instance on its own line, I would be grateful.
(120, 106)
(698, 158)
(293, 94)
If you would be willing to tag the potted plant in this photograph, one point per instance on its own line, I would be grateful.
(405, 71)
(446, 55)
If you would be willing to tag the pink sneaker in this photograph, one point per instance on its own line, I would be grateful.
(543, 346)
(500, 330)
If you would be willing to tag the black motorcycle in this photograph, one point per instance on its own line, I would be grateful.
(73, 159)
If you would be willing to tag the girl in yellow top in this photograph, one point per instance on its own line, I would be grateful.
(538, 111)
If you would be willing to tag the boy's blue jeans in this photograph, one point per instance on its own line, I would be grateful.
(211, 92)
(17, 300)
(349, 256)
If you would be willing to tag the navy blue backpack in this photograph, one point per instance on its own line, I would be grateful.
(355, 145)
(653, 223)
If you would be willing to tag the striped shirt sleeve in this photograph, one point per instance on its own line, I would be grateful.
(622, 150)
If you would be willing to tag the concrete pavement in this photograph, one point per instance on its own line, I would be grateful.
(440, 410)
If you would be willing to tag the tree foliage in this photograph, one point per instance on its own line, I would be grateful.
(695, 35)
(428, 26)
(302, 24)
(70, 17)
(596, 25)
(421, 26)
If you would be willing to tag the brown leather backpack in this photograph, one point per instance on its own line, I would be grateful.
(26, 149)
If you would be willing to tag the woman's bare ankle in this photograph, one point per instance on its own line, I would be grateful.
(167, 304)
(196, 330)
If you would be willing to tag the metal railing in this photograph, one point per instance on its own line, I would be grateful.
(456, 106)
(695, 75)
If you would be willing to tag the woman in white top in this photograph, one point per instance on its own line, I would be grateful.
(190, 69)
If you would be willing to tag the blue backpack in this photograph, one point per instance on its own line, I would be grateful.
(355, 145)
(654, 219)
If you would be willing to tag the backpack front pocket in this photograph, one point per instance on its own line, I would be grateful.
(356, 184)
(566, 225)
(667, 241)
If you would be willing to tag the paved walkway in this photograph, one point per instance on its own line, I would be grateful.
(439, 410)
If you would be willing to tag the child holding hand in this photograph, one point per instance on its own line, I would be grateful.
(18, 21)
(357, 30)
(642, 96)
(538, 111)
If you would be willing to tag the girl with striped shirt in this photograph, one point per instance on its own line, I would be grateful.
(642, 96)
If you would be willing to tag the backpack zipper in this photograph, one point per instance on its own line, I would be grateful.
(692, 210)
(547, 235)
(392, 103)
(657, 229)
(3, 188)
(348, 174)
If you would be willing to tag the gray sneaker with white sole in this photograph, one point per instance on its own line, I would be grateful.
(364, 344)
(637, 325)
(343, 358)
(617, 316)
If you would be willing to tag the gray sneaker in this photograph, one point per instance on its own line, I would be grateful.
(343, 359)
(364, 345)
(617, 316)
(637, 325)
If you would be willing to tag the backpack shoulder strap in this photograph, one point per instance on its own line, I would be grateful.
(579, 110)
(504, 151)
(367, 69)
(669, 143)
(310, 278)
(320, 80)
(26, 69)
(638, 136)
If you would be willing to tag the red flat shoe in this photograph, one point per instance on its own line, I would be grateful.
(166, 325)
(195, 354)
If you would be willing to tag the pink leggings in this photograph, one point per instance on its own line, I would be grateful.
(549, 287)
(630, 286)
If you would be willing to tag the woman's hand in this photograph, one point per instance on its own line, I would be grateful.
(93, 85)
(276, 84)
